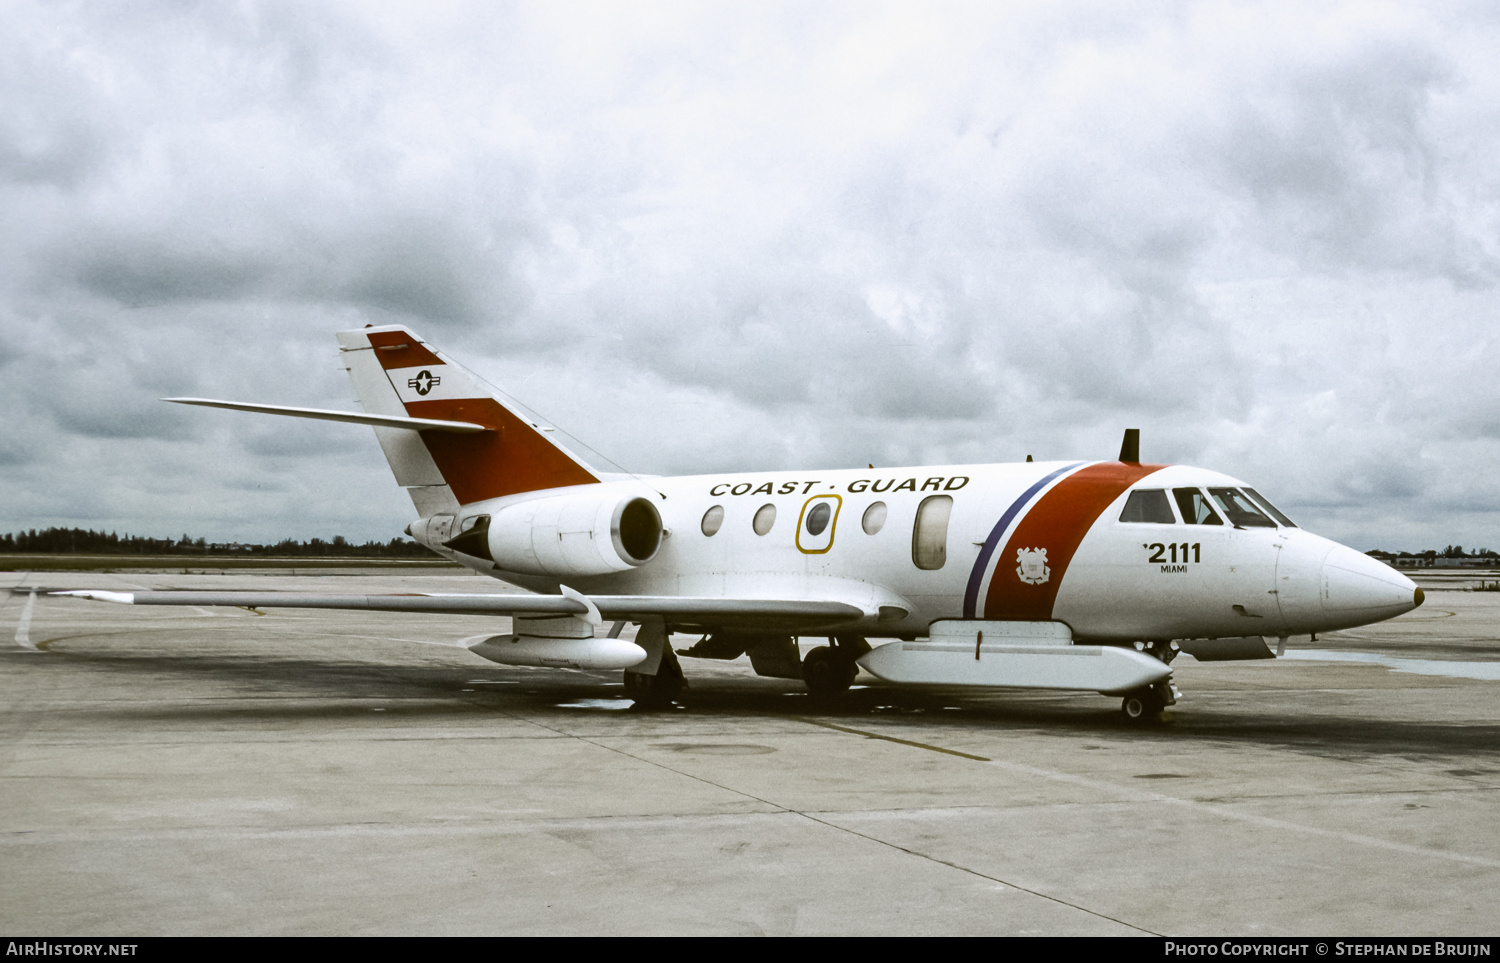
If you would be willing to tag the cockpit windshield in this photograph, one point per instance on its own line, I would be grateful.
(1148, 505)
(1195, 507)
(1261, 500)
(1241, 510)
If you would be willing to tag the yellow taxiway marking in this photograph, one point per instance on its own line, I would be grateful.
(903, 742)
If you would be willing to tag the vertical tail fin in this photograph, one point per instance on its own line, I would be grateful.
(396, 373)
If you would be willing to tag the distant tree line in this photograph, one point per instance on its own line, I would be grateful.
(78, 541)
(1457, 551)
(1454, 551)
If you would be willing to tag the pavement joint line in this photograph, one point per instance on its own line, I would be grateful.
(1335, 793)
(1267, 821)
(505, 825)
(1220, 811)
(974, 872)
(851, 832)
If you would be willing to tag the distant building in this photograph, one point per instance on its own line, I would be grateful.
(231, 547)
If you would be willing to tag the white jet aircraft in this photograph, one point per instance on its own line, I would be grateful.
(1088, 575)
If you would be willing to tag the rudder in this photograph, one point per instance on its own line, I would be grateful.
(395, 373)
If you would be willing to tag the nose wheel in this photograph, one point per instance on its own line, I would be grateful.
(1141, 707)
(1144, 706)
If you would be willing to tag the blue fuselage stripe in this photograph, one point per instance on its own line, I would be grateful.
(971, 595)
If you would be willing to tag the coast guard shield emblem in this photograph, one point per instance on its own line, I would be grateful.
(1033, 568)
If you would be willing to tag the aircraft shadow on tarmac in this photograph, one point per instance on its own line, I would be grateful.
(309, 688)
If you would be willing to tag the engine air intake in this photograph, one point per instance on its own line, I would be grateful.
(638, 529)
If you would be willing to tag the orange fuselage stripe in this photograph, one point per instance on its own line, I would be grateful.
(1057, 523)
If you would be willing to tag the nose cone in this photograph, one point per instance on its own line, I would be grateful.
(1359, 587)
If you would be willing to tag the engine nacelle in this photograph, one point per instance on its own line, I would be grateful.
(585, 532)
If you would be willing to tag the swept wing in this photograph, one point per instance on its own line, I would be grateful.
(675, 610)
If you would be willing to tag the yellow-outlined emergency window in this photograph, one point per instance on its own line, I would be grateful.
(820, 516)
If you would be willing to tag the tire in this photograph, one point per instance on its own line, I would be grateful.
(1142, 707)
(828, 672)
(652, 691)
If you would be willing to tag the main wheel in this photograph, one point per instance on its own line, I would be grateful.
(827, 671)
(652, 691)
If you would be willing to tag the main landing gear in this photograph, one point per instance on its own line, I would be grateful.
(659, 690)
(829, 670)
(655, 691)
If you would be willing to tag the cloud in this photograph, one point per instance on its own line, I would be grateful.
(711, 238)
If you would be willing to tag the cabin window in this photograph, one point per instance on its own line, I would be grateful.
(874, 519)
(713, 520)
(765, 517)
(820, 516)
(1195, 507)
(1260, 500)
(1240, 509)
(817, 518)
(1148, 505)
(929, 537)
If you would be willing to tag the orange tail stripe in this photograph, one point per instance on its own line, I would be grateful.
(398, 349)
(514, 458)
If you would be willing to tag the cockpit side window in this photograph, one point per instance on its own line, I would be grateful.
(1148, 505)
(1261, 500)
(1240, 509)
(1195, 507)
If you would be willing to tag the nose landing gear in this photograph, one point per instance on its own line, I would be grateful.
(1144, 705)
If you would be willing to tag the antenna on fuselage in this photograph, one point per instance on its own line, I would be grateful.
(1130, 448)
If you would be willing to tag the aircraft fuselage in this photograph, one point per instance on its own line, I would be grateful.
(1030, 541)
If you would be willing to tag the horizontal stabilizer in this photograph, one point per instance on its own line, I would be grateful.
(352, 417)
(613, 607)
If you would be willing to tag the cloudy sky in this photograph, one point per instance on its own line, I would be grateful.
(714, 237)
